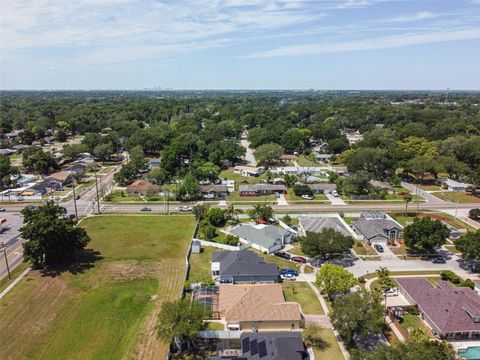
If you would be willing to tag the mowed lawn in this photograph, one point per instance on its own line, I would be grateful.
(106, 311)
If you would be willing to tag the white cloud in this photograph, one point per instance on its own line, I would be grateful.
(412, 17)
(385, 42)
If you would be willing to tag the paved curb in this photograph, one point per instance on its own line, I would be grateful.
(15, 282)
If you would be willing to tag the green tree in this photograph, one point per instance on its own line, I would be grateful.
(157, 175)
(261, 211)
(103, 151)
(50, 238)
(425, 233)
(335, 280)
(407, 198)
(39, 161)
(180, 320)
(71, 151)
(268, 153)
(357, 313)
(469, 245)
(208, 171)
(6, 171)
(190, 185)
(199, 211)
(474, 214)
(215, 216)
(207, 231)
(385, 281)
(326, 242)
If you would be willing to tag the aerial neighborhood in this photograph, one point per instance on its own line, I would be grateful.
(222, 225)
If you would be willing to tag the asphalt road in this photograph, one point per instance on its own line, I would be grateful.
(12, 240)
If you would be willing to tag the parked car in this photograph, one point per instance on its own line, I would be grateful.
(288, 277)
(378, 247)
(307, 197)
(2, 209)
(391, 292)
(209, 196)
(439, 260)
(282, 255)
(184, 208)
(33, 207)
(77, 197)
(145, 209)
(299, 259)
(334, 193)
(289, 271)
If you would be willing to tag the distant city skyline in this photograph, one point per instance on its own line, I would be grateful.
(240, 44)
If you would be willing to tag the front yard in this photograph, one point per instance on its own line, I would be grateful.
(301, 293)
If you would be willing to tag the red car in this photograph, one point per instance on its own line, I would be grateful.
(299, 259)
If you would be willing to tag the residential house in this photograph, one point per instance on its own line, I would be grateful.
(43, 187)
(142, 187)
(75, 168)
(278, 181)
(266, 238)
(453, 232)
(323, 157)
(261, 189)
(377, 227)
(322, 188)
(257, 307)
(7, 152)
(230, 185)
(154, 163)
(249, 170)
(453, 313)
(382, 185)
(340, 170)
(62, 177)
(19, 148)
(242, 266)
(213, 191)
(455, 186)
(287, 158)
(265, 346)
(317, 224)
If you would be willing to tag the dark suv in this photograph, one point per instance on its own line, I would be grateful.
(378, 247)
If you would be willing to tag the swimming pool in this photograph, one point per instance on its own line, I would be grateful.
(470, 353)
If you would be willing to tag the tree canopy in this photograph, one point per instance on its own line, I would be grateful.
(335, 280)
(326, 242)
(425, 233)
(50, 237)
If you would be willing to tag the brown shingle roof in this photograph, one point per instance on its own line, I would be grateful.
(449, 308)
(257, 302)
(142, 187)
(61, 176)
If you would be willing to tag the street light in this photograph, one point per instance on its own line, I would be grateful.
(4, 248)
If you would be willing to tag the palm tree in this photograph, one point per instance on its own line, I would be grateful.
(407, 198)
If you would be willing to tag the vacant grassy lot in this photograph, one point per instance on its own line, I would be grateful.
(301, 293)
(107, 310)
(457, 197)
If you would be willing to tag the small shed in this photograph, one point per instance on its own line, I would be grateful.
(196, 247)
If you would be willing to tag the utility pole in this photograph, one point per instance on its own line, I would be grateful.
(6, 260)
(74, 199)
(96, 187)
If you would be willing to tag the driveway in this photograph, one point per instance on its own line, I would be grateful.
(429, 198)
(249, 158)
(335, 200)
(387, 254)
(281, 200)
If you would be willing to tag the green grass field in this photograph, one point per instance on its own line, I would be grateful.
(331, 350)
(301, 293)
(108, 310)
(200, 265)
(457, 197)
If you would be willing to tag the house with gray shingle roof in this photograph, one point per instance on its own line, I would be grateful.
(266, 238)
(242, 266)
(317, 224)
(377, 227)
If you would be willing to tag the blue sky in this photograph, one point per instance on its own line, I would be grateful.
(240, 44)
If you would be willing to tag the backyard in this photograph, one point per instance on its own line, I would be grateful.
(106, 306)
(331, 349)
